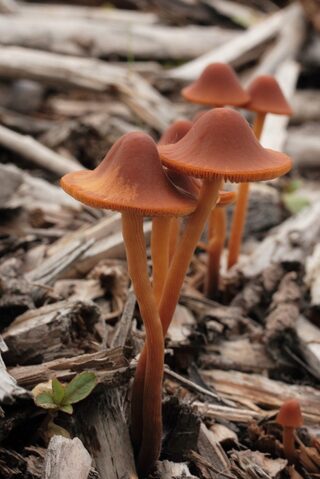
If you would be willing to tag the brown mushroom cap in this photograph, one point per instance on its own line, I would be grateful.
(130, 177)
(289, 414)
(266, 97)
(217, 85)
(175, 132)
(221, 144)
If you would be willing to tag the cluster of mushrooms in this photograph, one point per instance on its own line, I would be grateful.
(182, 175)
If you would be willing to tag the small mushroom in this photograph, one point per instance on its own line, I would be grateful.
(131, 179)
(165, 229)
(218, 85)
(265, 97)
(290, 418)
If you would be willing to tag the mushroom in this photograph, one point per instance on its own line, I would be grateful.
(131, 179)
(289, 417)
(165, 229)
(234, 154)
(266, 97)
(218, 85)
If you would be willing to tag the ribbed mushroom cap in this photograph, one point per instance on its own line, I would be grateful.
(289, 414)
(175, 132)
(226, 198)
(266, 97)
(221, 144)
(217, 85)
(130, 177)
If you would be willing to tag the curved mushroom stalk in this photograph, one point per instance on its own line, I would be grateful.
(133, 235)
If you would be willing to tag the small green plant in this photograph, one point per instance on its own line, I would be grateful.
(61, 397)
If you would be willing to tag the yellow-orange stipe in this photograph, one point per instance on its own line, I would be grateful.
(215, 248)
(218, 85)
(161, 228)
(131, 179)
(240, 211)
(217, 227)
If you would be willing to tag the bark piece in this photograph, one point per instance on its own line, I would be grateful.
(9, 390)
(110, 367)
(236, 49)
(178, 470)
(252, 391)
(211, 460)
(256, 465)
(72, 35)
(62, 329)
(32, 150)
(309, 344)
(288, 244)
(312, 277)
(88, 74)
(303, 145)
(66, 458)
(240, 355)
(106, 435)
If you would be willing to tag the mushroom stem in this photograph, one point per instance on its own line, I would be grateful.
(173, 237)
(180, 262)
(161, 227)
(239, 216)
(217, 236)
(288, 443)
(132, 228)
(178, 268)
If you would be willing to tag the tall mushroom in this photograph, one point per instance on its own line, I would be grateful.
(218, 85)
(233, 154)
(265, 97)
(165, 229)
(131, 179)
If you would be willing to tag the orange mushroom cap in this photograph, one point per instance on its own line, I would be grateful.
(289, 414)
(217, 85)
(130, 177)
(221, 144)
(266, 97)
(175, 132)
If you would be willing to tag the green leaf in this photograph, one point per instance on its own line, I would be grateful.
(67, 408)
(79, 388)
(45, 400)
(295, 203)
(57, 391)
